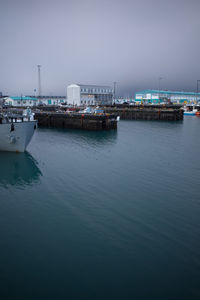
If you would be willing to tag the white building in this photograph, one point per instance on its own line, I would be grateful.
(52, 100)
(21, 101)
(160, 96)
(81, 94)
(26, 101)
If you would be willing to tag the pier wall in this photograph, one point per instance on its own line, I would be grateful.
(76, 121)
(138, 112)
(54, 116)
(167, 113)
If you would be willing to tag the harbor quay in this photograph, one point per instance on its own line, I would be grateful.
(136, 112)
(147, 112)
(76, 120)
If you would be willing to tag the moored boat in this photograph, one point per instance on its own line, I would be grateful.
(16, 131)
(189, 113)
(189, 110)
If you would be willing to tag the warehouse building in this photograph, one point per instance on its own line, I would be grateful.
(51, 100)
(21, 101)
(82, 95)
(33, 101)
(156, 96)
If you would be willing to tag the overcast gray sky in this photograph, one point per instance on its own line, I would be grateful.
(99, 42)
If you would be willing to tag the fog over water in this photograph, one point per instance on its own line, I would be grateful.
(132, 42)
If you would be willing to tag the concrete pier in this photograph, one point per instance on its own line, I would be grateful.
(146, 112)
(139, 112)
(76, 120)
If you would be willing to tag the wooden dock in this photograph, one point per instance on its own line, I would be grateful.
(76, 120)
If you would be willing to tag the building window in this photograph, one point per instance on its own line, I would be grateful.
(88, 101)
(81, 101)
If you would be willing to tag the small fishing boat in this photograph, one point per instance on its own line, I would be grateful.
(189, 110)
(16, 131)
(96, 111)
(189, 113)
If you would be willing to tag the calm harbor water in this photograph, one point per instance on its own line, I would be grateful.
(103, 215)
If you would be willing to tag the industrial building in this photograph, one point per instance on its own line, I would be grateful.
(81, 95)
(51, 100)
(33, 101)
(21, 101)
(156, 96)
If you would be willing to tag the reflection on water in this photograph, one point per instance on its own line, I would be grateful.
(98, 137)
(18, 169)
(54, 141)
(106, 204)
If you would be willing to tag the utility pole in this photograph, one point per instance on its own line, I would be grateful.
(159, 79)
(114, 90)
(39, 83)
(197, 87)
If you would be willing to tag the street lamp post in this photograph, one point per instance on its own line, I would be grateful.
(159, 80)
(198, 87)
(39, 84)
(114, 90)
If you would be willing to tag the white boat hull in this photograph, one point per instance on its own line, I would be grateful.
(18, 139)
(189, 113)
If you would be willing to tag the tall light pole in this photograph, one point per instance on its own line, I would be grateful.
(114, 90)
(198, 87)
(159, 80)
(39, 82)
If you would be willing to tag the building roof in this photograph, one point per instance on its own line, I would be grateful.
(23, 98)
(93, 86)
(167, 92)
(48, 97)
(73, 85)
